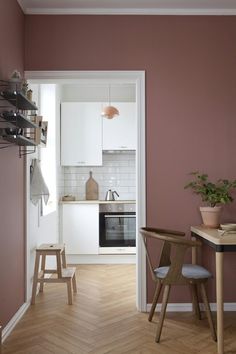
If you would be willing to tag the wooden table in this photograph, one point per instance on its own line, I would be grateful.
(221, 244)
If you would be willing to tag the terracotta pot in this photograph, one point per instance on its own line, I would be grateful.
(211, 216)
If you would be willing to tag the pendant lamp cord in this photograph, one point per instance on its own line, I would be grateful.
(109, 95)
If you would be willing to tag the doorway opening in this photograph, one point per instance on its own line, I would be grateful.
(134, 79)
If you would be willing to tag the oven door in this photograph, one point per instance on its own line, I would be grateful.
(117, 229)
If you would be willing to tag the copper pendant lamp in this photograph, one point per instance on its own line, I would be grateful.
(109, 111)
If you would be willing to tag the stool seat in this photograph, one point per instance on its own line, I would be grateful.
(64, 274)
(51, 247)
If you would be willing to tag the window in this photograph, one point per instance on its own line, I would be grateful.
(45, 96)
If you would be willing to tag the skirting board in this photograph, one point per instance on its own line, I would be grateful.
(101, 259)
(187, 307)
(18, 315)
(14, 320)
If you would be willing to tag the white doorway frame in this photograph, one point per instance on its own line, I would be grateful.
(138, 78)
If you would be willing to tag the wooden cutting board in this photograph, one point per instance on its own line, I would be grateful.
(91, 188)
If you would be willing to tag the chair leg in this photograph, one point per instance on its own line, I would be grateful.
(74, 284)
(196, 309)
(208, 311)
(163, 312)
(155, 299)
(69, 291)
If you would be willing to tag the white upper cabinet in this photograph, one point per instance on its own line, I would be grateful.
(81, 134)
(120, 132)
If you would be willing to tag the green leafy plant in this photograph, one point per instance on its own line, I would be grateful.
(212, 193)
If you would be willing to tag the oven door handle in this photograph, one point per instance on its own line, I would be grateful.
(119, 216)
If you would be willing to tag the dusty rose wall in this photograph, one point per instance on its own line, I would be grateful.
(12, 245)
(190, 99)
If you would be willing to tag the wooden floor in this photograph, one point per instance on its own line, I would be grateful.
(103, 319)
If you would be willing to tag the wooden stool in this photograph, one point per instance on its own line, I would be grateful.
(64, 274)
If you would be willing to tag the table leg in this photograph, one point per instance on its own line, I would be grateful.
(220, 302)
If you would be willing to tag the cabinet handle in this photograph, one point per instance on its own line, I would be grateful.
(81, 162)
(123, 147)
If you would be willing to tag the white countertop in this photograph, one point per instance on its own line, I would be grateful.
(98, 202)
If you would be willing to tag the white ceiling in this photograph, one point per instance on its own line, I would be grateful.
(136, 7)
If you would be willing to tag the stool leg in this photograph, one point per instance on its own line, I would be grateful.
(58, 258)
(35, 280)
(63, 256)
(74, 284)
(43, 269)
(69, 291)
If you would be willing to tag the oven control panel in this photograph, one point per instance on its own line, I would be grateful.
(116, 208)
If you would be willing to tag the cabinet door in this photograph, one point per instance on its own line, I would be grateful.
(81, 134)
(120, 132)
(80, 228)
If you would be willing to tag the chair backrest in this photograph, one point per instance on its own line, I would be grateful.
(173, 242)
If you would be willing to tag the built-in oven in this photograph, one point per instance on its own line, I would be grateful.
(117, 228)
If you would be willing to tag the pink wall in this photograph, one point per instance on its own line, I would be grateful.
(190, 99)
(12, 277)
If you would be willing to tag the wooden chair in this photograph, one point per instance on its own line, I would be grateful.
(64, 274)
(172, 271)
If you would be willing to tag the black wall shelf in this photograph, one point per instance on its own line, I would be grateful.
(14, 112)
(19, 140)
(18, 119)
(18, 100)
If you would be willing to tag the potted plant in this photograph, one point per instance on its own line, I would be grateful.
(214, 194)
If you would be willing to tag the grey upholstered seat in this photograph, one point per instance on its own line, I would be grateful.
(190, 271)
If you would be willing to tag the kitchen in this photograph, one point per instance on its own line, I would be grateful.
(92, 143)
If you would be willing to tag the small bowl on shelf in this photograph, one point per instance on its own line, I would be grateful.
(68, 198)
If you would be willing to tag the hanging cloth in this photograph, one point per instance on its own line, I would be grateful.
(38, 187)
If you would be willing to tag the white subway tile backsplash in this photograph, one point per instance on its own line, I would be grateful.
(70, 176)
(117, 173)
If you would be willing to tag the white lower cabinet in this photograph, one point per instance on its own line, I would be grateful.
(80, 228)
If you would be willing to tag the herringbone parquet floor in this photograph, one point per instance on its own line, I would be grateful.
(104, 320)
